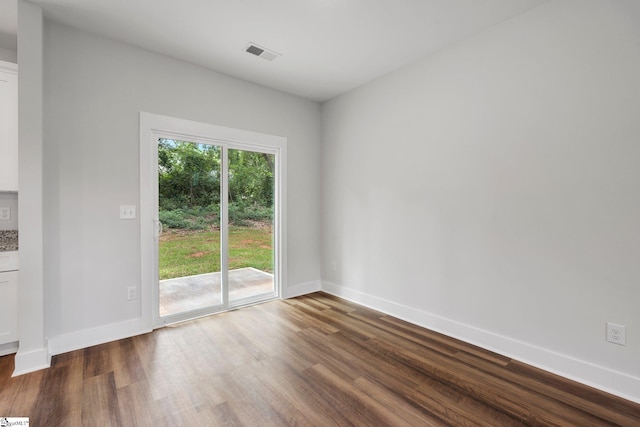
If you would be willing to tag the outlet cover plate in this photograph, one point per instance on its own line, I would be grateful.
(127, 212)
(5, 213)
(616, 334)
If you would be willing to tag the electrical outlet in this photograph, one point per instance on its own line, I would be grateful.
(616, 334)
(5, 213)
(132, 293)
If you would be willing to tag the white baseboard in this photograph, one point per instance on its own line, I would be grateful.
(605, 379)
(31, 361)
(301, 289)
(94, 336)
(115, 331)
(8, 348)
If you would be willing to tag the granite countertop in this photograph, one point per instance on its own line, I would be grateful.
(8, 240)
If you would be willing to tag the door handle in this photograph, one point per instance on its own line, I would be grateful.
(158, 228)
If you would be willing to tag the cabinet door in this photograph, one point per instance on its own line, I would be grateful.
(8, 128)
(8, 307)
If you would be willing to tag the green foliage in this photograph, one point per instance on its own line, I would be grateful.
(198, 218)
(204, 218)
(251, 178)
(240, 213)
(188, 174)
(189, 185)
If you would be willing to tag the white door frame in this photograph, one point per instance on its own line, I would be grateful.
(153, 127)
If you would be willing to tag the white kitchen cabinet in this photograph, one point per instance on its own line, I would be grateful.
(8, 126)
(8, 307)
(8, 300)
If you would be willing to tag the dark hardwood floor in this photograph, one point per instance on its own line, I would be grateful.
(312, 360)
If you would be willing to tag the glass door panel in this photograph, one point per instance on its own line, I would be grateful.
(189, 250)
(251, 225)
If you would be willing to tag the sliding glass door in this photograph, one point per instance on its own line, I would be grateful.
(189, 251)
(251, 214)
(215, 227)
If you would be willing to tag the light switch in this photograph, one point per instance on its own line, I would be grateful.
(127, 212)
(5, 214)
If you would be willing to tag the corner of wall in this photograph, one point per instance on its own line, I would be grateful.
(32, 353)
(301, 289)
(31, 361)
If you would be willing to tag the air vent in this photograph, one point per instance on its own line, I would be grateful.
(255, 50)
(262, 52)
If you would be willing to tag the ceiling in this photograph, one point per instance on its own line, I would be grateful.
(328, 46)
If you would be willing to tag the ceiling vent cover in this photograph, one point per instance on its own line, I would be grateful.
(262, 52)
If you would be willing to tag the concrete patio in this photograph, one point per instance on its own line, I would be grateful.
(192, 292)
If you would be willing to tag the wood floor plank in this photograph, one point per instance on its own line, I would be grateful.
(137, 406)
(283, 389)
(100, 401)
(279, 316)
(532, 385)
(403, 328)
(313, 360)
(97, 359)
(302, 318)
(330, 354)
(411, 384)
(359, 406)
(19, 397)
(491, 390)
(340, 322)
(390, 399)
(62, 399)
(335, 303)
(127, 366)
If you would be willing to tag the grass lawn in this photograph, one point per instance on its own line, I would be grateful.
(186, 253)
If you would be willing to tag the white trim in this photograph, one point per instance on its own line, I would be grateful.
(224, 227)
(8, 348)
(94, 336)
(148, 257)
(280, 221)
(600, 377)
(302, 289)
(153, 127)
(31, 361)
(32, 291)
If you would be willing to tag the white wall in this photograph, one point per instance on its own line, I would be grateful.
(8, 55)
(94, 91)
(492, 191)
